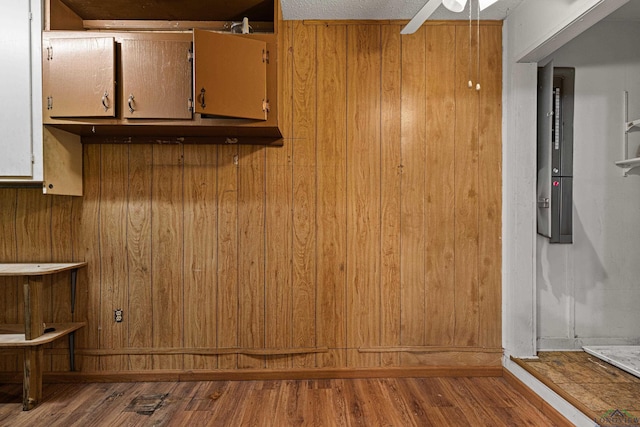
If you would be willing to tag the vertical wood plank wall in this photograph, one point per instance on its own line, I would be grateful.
(370, 239)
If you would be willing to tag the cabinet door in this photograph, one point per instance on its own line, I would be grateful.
(15, 90)
(80, 77)
(156, 79)
(230, 75)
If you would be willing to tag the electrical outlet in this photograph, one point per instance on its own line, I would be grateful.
(117, 315)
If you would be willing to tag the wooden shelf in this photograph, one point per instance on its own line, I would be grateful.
(37, 269)
(633, 126)
(628, 165)
(12, 335)
(34, 332)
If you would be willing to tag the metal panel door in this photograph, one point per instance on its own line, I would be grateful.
(230, 75)
(544, 137)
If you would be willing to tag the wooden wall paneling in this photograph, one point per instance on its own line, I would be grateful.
(114, 274)
(10, 288)
(279, 254)
(285, 78)
(466, 193)
(251, 253)
(391, 181)
(279, 218)
(441, 179)
(8, 216)
(139, 313)
(33, 227)
(33, 242)
(304, 191)
(490, 188)
(377, 224)
(463, 358)
(167, 253)
(414, 164)
(228, 255)
(363, 193)
(47, 291)
(331, 196)
(200, 262)
(87, 242)
(61, 251)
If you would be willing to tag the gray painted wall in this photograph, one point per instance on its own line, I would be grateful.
(589, 292)
(528, 32)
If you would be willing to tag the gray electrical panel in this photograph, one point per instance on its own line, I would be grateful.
(555, 153)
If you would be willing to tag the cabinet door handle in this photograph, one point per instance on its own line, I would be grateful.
(105, 101)
(130, 102)
(202, 103)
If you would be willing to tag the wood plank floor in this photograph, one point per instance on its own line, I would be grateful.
(487, 401)
(588, 383)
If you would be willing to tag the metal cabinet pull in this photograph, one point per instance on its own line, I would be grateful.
(202, 103)
(130, 102)
(105, 101)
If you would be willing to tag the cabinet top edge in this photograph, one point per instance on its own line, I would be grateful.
(255, 10)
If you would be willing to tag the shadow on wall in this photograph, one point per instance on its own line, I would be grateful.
(561, 268)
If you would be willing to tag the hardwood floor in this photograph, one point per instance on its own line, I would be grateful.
(588, 383)
(486, 401)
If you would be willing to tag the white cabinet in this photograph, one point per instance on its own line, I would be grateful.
(18, 153)
(23, 146)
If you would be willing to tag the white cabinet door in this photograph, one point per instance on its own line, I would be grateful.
(16, 148)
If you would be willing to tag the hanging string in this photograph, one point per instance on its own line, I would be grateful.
(478, 48)
(470, 83)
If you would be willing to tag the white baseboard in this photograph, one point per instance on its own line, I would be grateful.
(568, 344)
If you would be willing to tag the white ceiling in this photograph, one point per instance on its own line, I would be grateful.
(405, 9)
(382, 9)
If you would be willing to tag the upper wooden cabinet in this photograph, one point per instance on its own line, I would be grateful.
(83, 78)
(151, 74)
(156, 79)
(230, 75)
(80, 77)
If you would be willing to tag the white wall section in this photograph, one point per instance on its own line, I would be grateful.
(589, 292)
(542, 26)
(524, 31)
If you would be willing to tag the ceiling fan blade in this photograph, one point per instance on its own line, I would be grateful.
(422, 15)
(455, 5)
(485, 3)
